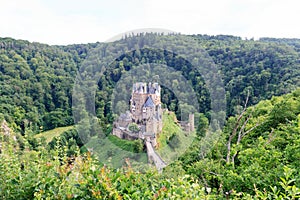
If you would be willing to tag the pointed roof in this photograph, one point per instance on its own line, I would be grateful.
(149, 102)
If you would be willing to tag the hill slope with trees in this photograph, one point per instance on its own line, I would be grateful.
(256, 156)
(263, 164)
(37, 79)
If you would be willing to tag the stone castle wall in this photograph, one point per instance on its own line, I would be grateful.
(145, 111)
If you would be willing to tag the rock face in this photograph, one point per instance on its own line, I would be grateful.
(6, 132)
(145, 112)
(5, 129)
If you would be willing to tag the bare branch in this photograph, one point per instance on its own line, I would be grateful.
(242, 135)
(213, 173)
(251, 129)
(236, 126)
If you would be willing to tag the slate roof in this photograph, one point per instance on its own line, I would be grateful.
(149, 102)
(125, 116)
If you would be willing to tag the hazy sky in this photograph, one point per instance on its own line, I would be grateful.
(82, 21)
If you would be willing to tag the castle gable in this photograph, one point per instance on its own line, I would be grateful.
(149, 102)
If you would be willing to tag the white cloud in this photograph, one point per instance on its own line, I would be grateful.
(74, 21)
(279, 20)
(206, 17)
(33, 21)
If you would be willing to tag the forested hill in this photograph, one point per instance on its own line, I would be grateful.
(262, 163)
(292, 42)
(37, 79)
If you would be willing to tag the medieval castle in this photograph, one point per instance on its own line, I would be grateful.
(145, 114)
(144, 120)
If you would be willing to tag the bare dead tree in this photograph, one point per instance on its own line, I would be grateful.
(241, 133)
(236, 126)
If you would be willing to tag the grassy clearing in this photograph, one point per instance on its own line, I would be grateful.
(170, 129)
(135, 146)
(114, 151)
(49, 135)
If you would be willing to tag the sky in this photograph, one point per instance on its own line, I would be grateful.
(62, 22)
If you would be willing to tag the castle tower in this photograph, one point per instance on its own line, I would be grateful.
(191, 122)
(138, 99)
(146, 106)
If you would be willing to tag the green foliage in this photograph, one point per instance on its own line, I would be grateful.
(35, 95)
(69, 139)
(55, 119)
(49, 135)
(133, 127)
(44, 175)
(254, 66)
(169, 127)
(37, 79)
(262, 155)
(266, 165)
(135, 146)
(202, 125)
(288, 188)
(174, 141)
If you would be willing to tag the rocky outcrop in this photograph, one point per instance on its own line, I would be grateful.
(6, 134)
(6, 131)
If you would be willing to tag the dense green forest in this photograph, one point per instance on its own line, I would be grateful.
(263, 164)
(256, 156)
(37, 79)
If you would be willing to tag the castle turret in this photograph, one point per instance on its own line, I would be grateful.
(145, 101)
(191, 122)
